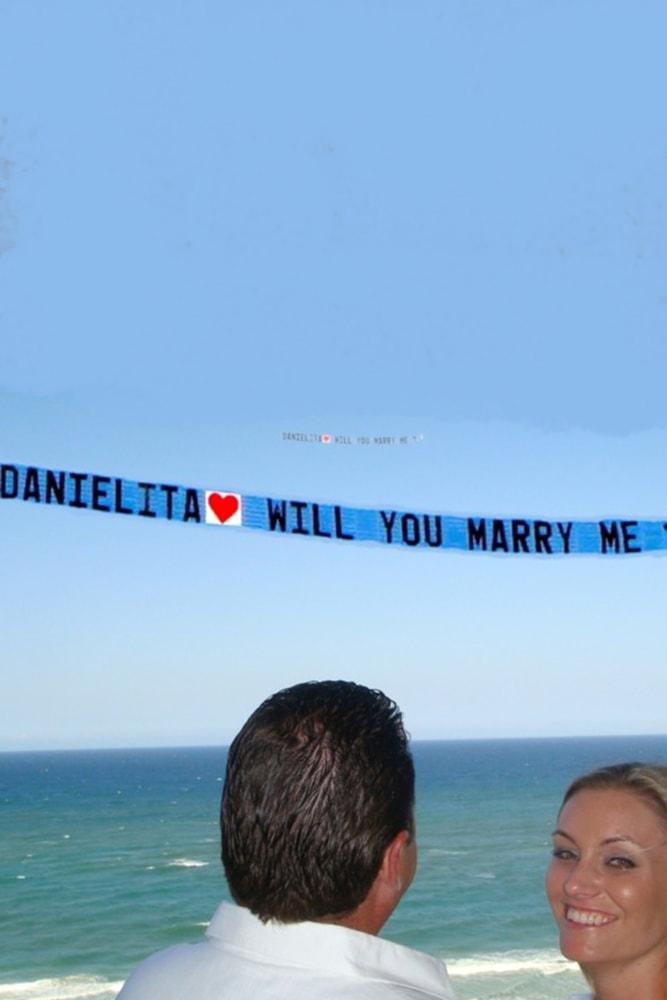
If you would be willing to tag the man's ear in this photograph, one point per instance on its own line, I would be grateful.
(395, 865)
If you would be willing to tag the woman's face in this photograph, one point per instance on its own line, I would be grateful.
(607, 881)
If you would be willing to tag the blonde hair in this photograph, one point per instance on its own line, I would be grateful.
(649, 781)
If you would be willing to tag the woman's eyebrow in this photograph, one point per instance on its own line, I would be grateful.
(608, 840)
(621, 838)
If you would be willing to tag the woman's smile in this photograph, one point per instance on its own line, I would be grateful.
(587, 918)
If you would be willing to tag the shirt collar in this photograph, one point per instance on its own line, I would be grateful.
(328, 947)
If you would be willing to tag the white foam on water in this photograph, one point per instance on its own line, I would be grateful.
(186, 863)
(443, 850)
(547, 963)
(66, 988)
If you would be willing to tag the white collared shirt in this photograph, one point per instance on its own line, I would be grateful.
(244, 959)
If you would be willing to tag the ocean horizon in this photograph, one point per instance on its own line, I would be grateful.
(109, 855)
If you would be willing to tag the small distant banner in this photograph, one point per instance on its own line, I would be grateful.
(222, 507)
(311, 437)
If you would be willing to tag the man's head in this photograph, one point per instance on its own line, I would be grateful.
(318, 805)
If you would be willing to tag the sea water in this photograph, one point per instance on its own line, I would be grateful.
(106, 856)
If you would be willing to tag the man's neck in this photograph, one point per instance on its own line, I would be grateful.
(369, 917)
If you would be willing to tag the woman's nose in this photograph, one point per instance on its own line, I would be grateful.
(583, 879)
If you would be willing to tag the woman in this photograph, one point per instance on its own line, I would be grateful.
(607, 881)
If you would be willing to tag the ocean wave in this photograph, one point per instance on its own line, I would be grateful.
(548, 963)
(66, 988)
(444, 851)
(187, 863)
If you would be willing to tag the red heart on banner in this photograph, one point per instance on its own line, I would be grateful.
(223, 507)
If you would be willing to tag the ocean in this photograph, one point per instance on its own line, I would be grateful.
(108, 855)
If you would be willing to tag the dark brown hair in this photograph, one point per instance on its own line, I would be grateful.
(319, 781)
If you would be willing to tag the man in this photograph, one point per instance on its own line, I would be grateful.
(318, 847)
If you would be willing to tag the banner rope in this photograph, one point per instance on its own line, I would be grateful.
(386, 526)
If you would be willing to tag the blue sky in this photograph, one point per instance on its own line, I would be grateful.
(219, 222)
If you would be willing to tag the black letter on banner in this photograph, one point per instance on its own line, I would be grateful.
(416, 533)
(609, 537)
(277, 511)
(118, 499)
(191, 512)
(147, 512)
(437, 542)
(388, 524)
(79, 479)
(55, 487)
(338, 522)
(317, 530)
(476, 533)
(542, 536)
(169, 492)
(520, 532)
(31, 485)
(499, 538)
(565, 530)
(630, 536)
(299, 506)
(9, 492)
(99, 492)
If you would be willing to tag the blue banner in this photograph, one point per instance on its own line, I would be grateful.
(519, 536)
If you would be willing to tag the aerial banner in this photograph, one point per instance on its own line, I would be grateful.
(517, 536)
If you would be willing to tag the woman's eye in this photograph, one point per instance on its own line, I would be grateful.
(618, 861)
(563, 854)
